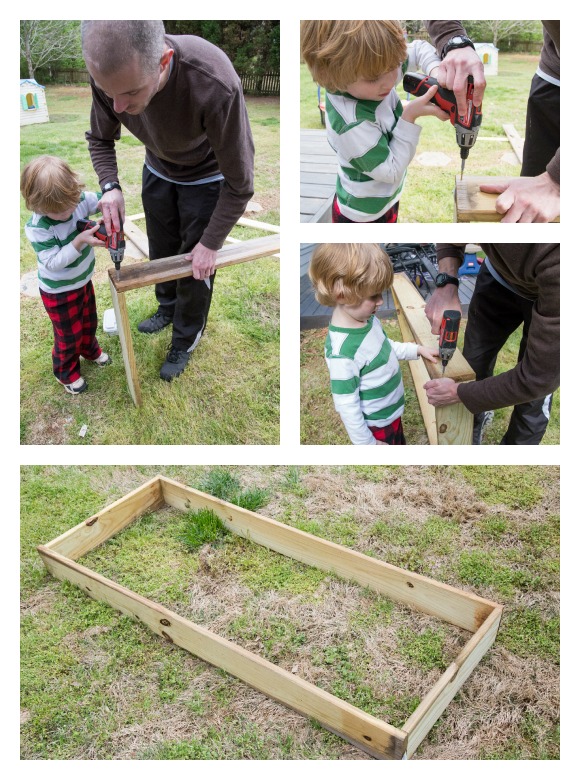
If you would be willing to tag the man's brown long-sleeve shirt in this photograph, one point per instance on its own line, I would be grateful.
(196, 127)
(533, 270)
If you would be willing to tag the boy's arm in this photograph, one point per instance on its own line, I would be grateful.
(422, 56)
(344, 385)
(48, 251)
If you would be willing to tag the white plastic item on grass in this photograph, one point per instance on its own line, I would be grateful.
(110, 322)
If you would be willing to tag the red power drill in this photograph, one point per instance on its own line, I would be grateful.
(448, 335)
(115, 243)
(466, 127)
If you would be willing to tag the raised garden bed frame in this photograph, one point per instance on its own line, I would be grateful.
(377, 738)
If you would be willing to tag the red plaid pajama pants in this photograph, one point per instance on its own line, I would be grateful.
(389, 216)
(74, 322)
(391, 434)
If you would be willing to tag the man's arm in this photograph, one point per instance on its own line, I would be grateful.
(458, 64)
(229, 134)
(105, 129)
(449, 259)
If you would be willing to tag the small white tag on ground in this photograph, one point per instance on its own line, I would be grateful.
(83, 431)
(109, 322)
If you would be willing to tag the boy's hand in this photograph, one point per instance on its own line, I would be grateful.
(381, 442)
(429, 353)
(441, 392)
(112, 206)
(88, 237)
(422, 106)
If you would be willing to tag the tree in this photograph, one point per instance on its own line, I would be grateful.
(46, 42)
(500, 29)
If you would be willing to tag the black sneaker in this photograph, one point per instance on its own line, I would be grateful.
(155, 323)
(481, 421)
(175, 364)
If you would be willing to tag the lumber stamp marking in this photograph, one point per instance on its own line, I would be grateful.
(451, 424)
(131, 277)
(376, 737)
(473, 205)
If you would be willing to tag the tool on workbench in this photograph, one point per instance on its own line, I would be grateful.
(115, 243)
(448, 335)
(466, 127)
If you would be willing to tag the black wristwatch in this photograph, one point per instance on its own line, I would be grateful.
(457, 42)
(442, 279)
(111, 185)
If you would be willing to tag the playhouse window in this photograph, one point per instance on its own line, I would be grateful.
(30, 102)
(486, 59)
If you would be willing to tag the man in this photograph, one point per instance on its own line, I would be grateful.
(181, 97)
(518, 283)
(528, 200)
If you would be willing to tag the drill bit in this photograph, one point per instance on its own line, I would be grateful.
(462, 167)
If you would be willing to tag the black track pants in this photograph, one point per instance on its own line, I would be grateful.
(176, 216)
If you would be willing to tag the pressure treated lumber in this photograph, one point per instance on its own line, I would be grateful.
(435, 598)
(451, 424)
(375, 737)
(420, 376)
(137, 236)
(433, 705)
(412, 307)
(366, 732)
(515, 140)
(126, 340)
(472, 205)
(102, 526)
(143, 274)
(166, 269)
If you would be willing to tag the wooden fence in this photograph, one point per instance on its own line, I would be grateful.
(252, 84)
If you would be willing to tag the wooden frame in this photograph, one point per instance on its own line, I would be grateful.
(166, 269)
(451, 424)
(473, 205)
(374, 736)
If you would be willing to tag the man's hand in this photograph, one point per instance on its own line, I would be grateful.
(441, 392)
(443, 298)
(527, 200)
(112, 206)
(203, 261)
(453, 73)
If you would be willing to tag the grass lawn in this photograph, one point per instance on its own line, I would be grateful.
(428, 190)
(320, 423)
(97, 685)
(229, 393)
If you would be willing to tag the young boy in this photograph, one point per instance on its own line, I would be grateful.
(365, 376)
(360, 63)
(66, 261)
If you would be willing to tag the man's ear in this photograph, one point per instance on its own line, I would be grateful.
(166, 59)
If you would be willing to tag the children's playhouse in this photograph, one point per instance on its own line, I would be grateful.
(33, 108)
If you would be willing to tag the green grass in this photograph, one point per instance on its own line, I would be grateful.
(428, 190)
(320, 424)
(200, 528)
(229, 393)
(98, 685)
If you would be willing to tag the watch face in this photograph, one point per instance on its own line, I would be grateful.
(457, 39)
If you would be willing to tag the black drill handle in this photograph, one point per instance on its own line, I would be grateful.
(418, 84)
(87, 224)
(449, 329)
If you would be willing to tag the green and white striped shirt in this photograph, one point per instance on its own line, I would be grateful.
(365, 377)
(60, 267)
(373, 144)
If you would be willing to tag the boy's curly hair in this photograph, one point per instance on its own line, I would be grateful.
(339, 52)
(48, 185)
(348, 273)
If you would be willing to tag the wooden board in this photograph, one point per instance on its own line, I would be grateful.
(473, 205)
(516, 141)
(452, 424)
(126, 339)
(177, 267)
(412, 306)
(377, 738)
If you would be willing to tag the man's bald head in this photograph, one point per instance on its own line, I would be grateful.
(110, 45)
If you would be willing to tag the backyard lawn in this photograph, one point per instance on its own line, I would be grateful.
(99, 685)
(428, 194)
(229, 393)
